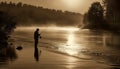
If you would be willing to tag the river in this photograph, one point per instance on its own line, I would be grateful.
(100, 46)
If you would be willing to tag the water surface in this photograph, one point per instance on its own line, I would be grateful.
(101, 47)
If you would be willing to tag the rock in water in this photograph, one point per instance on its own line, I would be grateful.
(19, 48)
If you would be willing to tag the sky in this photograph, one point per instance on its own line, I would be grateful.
(79, 6)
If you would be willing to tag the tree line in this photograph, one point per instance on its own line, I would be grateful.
(105, 16)
(31, 15)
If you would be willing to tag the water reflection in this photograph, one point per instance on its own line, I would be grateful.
(7, 54)
(71, 47)
(104, 45)
(71, 39)
(115, 67)
(99, 45)
(72, 62)
(36, 54)
(113, 40)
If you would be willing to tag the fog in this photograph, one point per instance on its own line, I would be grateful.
(55, 28)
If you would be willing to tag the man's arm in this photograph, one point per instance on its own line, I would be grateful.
(40, 36)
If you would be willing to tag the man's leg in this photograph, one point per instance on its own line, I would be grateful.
(36, 43)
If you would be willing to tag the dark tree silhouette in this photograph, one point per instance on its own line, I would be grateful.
(85, 21)
(112, 13)
(95, 15)
(7, 24)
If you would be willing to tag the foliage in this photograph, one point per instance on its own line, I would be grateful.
(112, 13)
(30, 15)
(7, 24)
(94, 19)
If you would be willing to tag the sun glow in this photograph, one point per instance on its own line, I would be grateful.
(64, 28)
(72, 3)
(69, 29)
(71, 44)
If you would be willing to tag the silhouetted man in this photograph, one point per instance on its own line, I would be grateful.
(36, 37)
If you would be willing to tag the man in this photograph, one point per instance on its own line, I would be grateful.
(36, 37)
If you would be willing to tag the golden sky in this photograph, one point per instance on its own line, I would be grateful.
(80, 6)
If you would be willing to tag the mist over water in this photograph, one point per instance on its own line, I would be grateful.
(53, 28)
(74, 41)
(102, 47)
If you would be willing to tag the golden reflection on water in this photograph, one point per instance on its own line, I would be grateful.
(72, 62)
(71, 39)
(71, 47)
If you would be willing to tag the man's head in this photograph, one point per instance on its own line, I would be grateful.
(37, 29)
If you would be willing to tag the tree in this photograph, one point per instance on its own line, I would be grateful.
(85, 21)
(96, 16)
(112, 13)
(7, 24)
(19, 4)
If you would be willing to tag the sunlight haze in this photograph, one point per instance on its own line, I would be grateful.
(80, 6)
